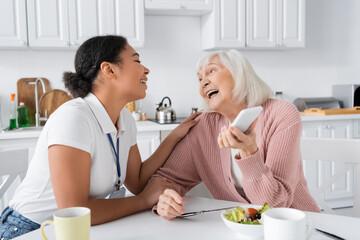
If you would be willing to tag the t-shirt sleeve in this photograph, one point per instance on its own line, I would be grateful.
(71, 129)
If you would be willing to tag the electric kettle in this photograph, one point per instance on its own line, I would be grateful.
(164, 113)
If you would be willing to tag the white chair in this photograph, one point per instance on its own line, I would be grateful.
(346, 151)
(13, 163)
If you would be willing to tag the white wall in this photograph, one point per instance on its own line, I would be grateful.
(173, 45)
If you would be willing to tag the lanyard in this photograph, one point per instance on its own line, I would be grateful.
(116, 152)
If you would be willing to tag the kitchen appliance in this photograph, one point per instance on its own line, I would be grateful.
(164, 113)
(175, 121)
(348, 94)
(321, 103)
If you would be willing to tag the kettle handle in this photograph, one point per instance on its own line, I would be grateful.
(164, 99)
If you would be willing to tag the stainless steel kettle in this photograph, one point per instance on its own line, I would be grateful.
(164, 113)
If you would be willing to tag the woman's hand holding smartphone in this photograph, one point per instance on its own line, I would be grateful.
(234, 136)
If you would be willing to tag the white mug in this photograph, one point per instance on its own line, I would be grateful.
(70, 224)
(285, 224)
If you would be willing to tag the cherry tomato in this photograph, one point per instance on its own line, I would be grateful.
(252, 212)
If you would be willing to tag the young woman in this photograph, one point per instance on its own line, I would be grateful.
(261, 165)
(87, 149)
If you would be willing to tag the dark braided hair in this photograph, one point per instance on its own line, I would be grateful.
(88, 58)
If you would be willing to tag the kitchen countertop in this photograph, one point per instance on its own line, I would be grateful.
(32, 132)
(329, 117)
(147, 126)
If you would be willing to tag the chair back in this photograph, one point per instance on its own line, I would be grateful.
(13, 163)
(345, 151)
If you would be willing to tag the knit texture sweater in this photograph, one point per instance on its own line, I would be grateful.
(274, 174)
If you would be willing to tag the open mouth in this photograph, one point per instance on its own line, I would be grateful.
(212, 93)
(143, 81)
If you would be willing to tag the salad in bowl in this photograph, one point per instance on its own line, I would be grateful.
(246, 222)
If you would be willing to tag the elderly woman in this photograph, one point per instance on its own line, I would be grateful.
(260, 165)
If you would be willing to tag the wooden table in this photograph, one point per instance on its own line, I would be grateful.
(146, 225)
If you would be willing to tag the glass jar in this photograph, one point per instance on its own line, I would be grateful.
(278, 95)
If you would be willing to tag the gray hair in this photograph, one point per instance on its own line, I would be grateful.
(249, 88)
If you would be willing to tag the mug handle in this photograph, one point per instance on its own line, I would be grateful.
(43, 225)
(309, 227)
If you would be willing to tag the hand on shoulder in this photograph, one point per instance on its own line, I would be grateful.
(180, 131)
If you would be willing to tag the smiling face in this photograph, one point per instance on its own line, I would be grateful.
(216, 85)
(132, 75)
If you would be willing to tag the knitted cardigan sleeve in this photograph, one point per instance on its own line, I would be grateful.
(274, 177)
(179, 168)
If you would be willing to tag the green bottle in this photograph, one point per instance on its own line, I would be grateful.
(23, 116)
(12, 112)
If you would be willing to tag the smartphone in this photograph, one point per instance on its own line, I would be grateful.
(246, 117)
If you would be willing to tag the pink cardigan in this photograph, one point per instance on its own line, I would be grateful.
(274, 174)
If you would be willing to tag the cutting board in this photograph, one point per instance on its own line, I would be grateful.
(26, 93)
(317, 111)
(51, 100)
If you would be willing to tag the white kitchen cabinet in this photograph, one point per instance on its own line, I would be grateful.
(254, 24)
(178, 7)
(275, 23)
(89, 18)
(291, 23)
(13, 32)
(15, 143)
(225, 26)
(147, 143)
(63, 23)
(130, 22)
(341, 193)
(48, 23)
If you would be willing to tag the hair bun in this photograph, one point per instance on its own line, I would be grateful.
(76, 84)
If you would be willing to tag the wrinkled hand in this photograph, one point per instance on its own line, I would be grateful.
(170, 204)
(180, 131)
(153, 190)
(232, 137)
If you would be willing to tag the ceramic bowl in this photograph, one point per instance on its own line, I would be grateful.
(244, 231)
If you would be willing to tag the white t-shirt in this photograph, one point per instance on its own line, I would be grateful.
(82, 124)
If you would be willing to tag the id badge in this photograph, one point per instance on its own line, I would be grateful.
(118, 193)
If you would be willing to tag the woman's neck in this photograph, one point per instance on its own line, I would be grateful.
(113, 105)
(231, 111)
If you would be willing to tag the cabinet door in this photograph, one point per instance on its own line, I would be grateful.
(356, 128)
(48, 23)
(129, 21)
(89, 18)
(261, 23)
(312, 129)
(181, 7)
(343, 188)
(30, 144)
(225, 26)
(291, 23)
(13, 23)
(147, 143)
(339, 194)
